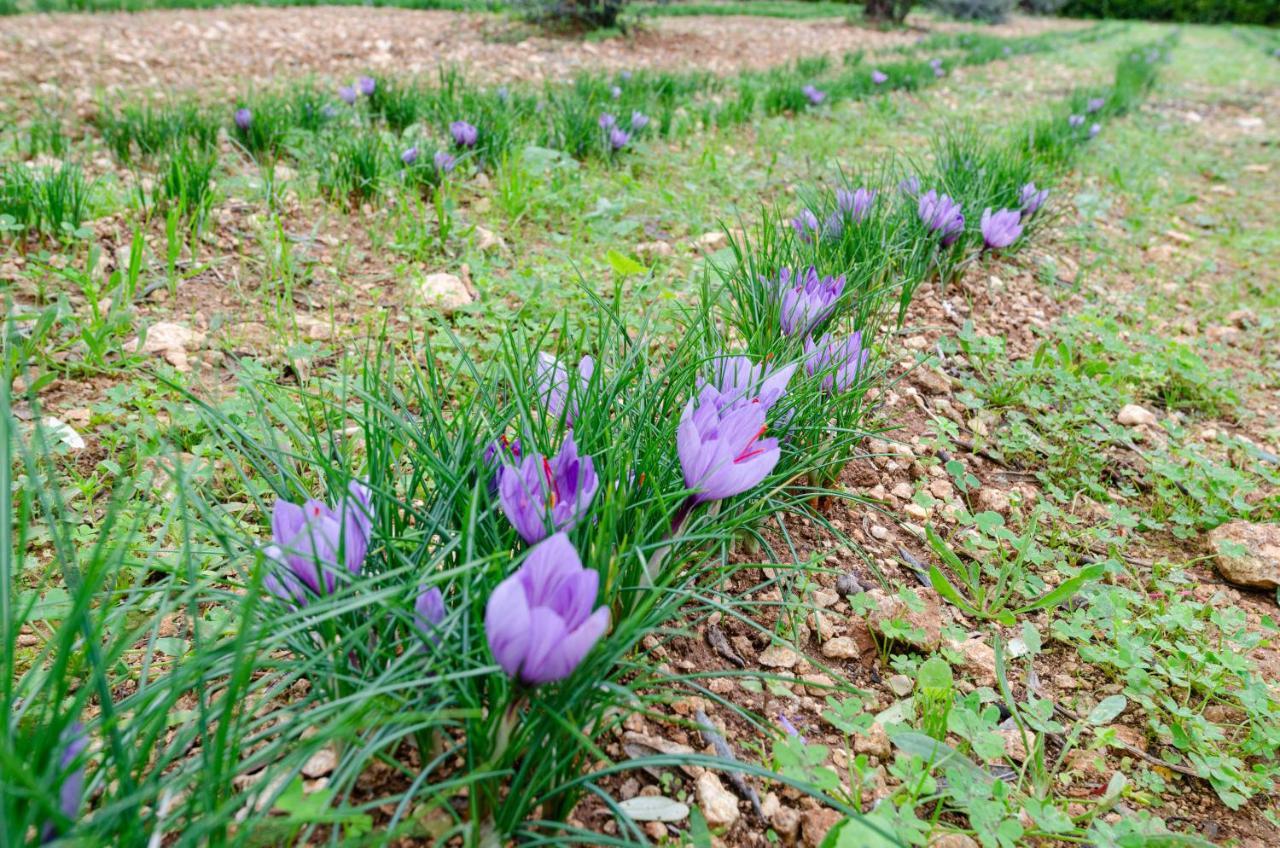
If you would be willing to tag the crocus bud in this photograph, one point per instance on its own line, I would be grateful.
(445, 161)
(814, 95)
(464, 134)
(244, 119)
(347, 94)
(1002, 228)
(410, 156)
(879, 77)
(541, 622)
(366, 86)
(618, 138)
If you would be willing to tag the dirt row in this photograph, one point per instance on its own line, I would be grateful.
(221, 51)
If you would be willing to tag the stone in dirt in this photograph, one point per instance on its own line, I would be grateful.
(710, 242)
(815, 824)
(1133, 415)
(719, 806)
(1247, 554)
(978, 660)
(924, 626)
(171, 341)
(841, 648)
(651, 250)
(446, 292)
(953, 840)
(778, 657)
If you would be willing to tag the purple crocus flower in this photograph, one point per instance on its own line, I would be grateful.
(935, 63)
(879, 77)
(839, 363)
(607, 121)
(244, 119)
(464, 134)
(1095, 104)
(789, 728)
(910, 186)
(806, 225)
(410, 156)
(855, 205)
(806, 300)
(736, 381)
(1076, 121)
(942, 215)
(625, 76)
(312, 542)
(445, 161)
(721, 450)
(814, 94)
(71, 788)
(428, 612)
(347, 94)
(367, 86)
(1094, 130)
(615, 92)
(639, 120)
(540, 621)
(541, 492)
(1032, 199)
(1002, 228)
(551, 379)
(618, 138)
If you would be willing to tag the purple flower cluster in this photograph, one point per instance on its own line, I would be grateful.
(942, 215)
(806, 225)
(543, 495)
(838, 363)
(1001, 228)
(312, 543)
(464, 134)
(814, 95)
(805, 299)
(1032, 199)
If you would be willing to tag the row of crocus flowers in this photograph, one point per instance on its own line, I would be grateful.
(735, 431)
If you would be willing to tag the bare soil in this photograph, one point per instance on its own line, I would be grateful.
(220, 51)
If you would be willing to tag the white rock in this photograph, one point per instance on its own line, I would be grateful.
(1247, 554)
(171, 341)
(445, 292)
(64, 432)
(777, 656)
(719, 805)
(1132, 415)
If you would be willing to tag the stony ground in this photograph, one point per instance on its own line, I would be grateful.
(1156, 292)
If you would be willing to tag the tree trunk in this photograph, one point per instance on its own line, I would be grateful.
(887, 11)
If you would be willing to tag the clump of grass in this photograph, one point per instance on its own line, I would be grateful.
(150, 129)
(354, 168)
(185, 183)
(47, 200)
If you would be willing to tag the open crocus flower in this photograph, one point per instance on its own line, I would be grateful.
(806, 300)
(551, 380)
(366, 86)
(806, 225)
(639, 120)
(445, 161)
(721, 450)
(347, 94)
(71, 788)
(410, 155)
(244, 119)
(736, 381)
(1075, 121)
(618, 138)
(543, 495)
(607, 121)
(615, 92)
(941, 215)
(311, 542)
(428, 612)
(814, 95)
(854, 205)
(540, 622)
(1095, 104)
(839, 363)
(464, 134)
(879, 77)
(1002, 228)
(1032, 199)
